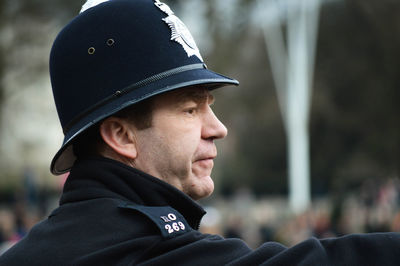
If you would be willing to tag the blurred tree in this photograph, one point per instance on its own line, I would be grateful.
(2, 55)
(26, 30)
(354, 127)
(354, 119)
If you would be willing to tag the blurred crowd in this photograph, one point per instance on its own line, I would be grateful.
(25, 206)
(373, 207)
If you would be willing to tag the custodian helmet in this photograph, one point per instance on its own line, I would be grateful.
(115, 54)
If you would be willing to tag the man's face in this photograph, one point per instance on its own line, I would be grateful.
(179, 146)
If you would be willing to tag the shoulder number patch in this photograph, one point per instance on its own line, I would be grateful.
(170, 222)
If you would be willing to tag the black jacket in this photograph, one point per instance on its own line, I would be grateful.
(112, 214)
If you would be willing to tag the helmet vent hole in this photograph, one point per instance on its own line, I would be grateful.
(110, 42)
(91, 50)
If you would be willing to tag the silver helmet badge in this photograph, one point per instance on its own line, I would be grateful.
(179, 31)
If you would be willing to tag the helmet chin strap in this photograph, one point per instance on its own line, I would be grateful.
(91, 3)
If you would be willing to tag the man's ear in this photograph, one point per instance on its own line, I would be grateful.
(118, 134)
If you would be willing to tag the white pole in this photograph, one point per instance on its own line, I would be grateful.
(295, 91)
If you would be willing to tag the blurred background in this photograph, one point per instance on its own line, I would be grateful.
(353, 122)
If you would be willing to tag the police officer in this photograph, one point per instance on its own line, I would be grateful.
(133, 97)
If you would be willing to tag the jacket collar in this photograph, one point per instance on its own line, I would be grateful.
(100, 177)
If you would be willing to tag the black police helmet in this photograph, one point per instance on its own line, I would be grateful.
(115, 54)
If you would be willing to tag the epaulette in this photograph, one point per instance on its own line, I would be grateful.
(170, 222)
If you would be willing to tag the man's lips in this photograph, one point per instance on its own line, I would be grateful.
(205, 158)
(205, 161)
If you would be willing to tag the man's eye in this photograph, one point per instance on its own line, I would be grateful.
(191, 111)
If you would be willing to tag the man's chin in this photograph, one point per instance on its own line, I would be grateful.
(203, 189)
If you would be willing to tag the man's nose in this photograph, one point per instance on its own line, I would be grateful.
(212, 127)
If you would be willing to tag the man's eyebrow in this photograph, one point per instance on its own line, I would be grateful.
(196, 95)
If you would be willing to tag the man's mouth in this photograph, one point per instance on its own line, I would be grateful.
(206, 162)
(205, 158)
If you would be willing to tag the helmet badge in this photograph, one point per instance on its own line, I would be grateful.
(179, 31)
(90, 4)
